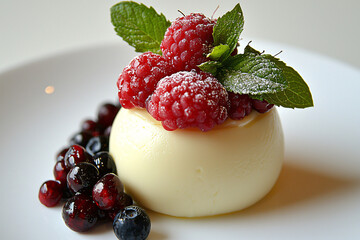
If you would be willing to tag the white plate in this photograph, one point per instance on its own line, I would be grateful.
(316, 197)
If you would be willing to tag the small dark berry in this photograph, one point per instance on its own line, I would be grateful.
(96, 133)
(82, 177)
(240, 106)
(125, 201)
(106, 114)
(235, 52)
(105, 163)
(107, 131)
(91, 126)
(132, 223)
(67, 193)
(80, 213)
(50, 193)
(103, 216)
(81, 138)
(60, 172)
(108, 191)
(76, 154)
(61, 155)
(98, 144)
(261, 106)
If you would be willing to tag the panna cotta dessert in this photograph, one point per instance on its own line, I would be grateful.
(189, 173)
(198, 134)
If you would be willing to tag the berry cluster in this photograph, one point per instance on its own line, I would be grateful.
(85, 178)
(172, 87)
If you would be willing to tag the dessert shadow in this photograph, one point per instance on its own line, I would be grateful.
(296, 185)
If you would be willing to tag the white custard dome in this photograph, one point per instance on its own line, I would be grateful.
(189, 173)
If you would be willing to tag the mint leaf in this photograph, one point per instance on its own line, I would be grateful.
(140, 26)
(252, 74)
(297, 95)
(218, 51)
(228, 28)
(210, 67)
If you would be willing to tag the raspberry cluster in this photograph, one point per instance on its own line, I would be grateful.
(174, 90)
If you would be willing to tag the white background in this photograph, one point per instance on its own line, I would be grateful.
(36, 28)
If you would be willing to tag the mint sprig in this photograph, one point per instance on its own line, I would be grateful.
(296, 95)
(252, 74)
(260, 75)
(140, 26)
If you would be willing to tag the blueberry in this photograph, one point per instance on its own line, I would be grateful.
(97, 144)
(105, 163)
(132, 223)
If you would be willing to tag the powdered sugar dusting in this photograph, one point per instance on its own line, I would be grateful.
(249, 83)
(191, 99)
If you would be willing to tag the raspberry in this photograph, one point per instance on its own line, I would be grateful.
(189, 99)
(240, 106)
(187, 41)
(261, 106)
(138, 80)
